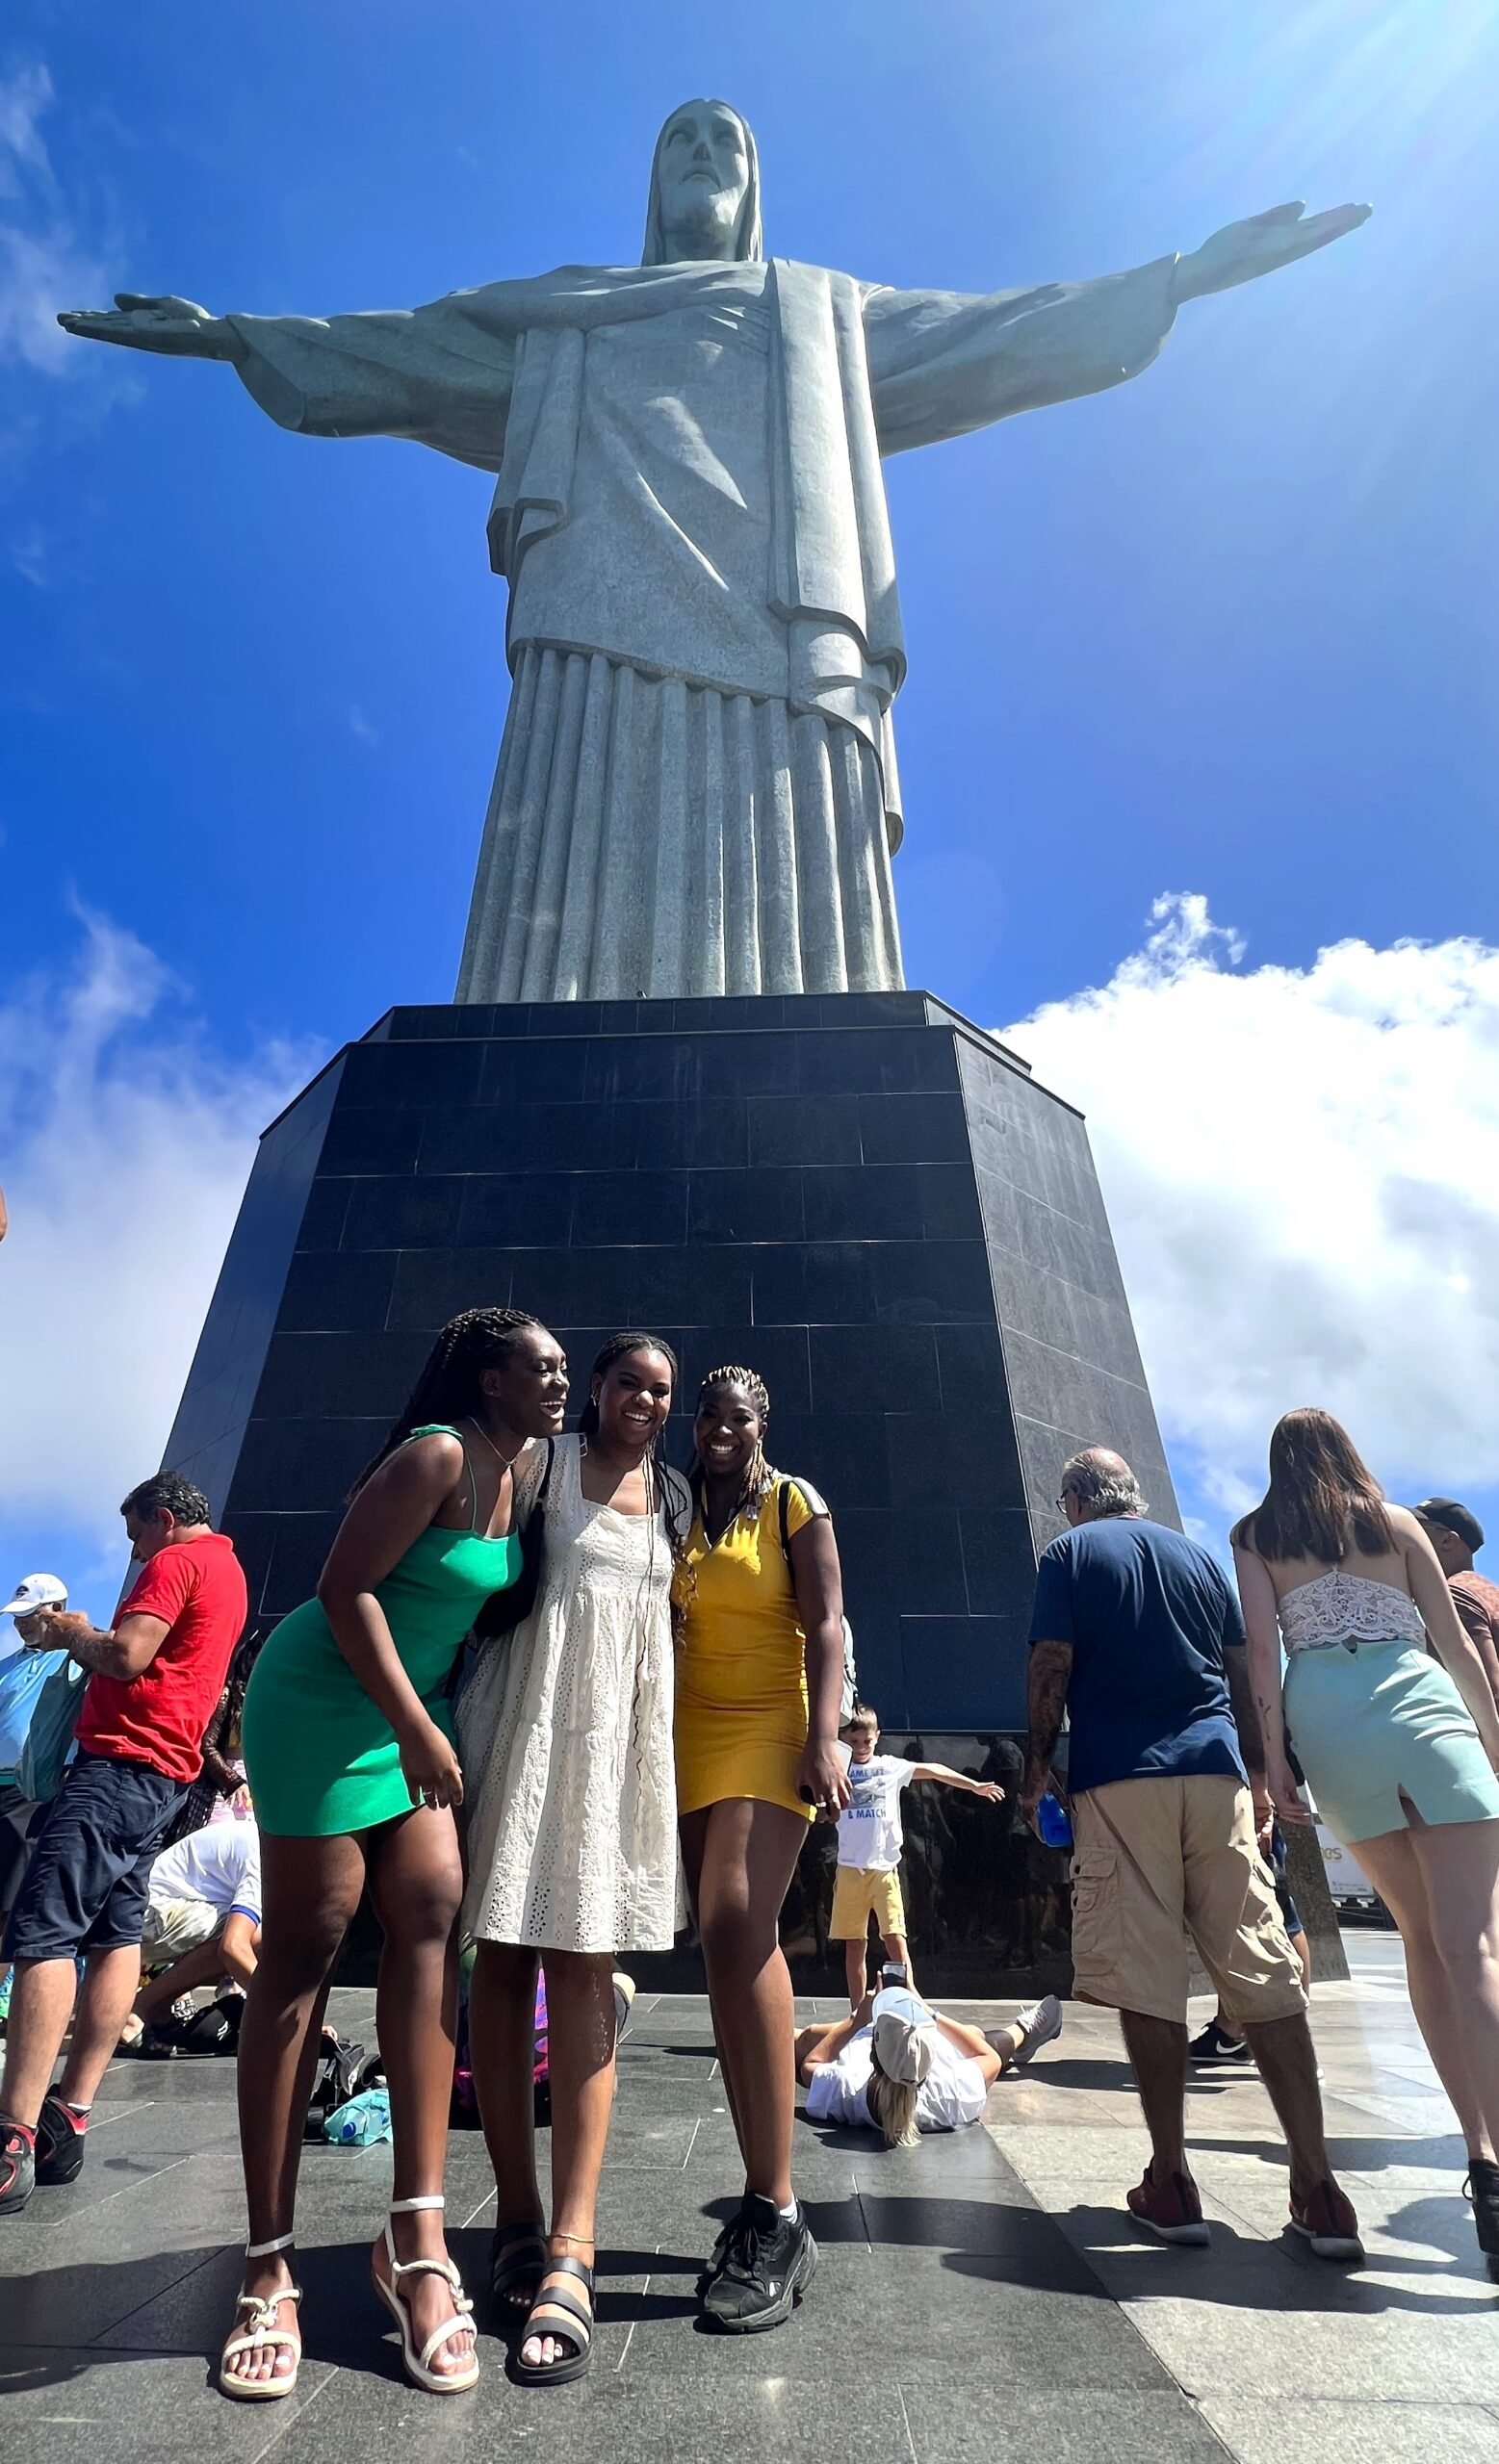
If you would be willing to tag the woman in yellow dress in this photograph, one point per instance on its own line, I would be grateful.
(759, 1603)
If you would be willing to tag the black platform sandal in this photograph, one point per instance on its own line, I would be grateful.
(561, 2315)
(517, 2263)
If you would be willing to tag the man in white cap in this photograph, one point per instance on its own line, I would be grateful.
(29, 1599)
(17, 1813)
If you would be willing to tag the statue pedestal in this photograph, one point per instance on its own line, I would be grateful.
(860, 1195)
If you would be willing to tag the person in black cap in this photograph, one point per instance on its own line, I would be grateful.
(1455, 1534)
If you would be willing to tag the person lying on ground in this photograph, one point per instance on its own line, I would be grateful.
(900, 2067)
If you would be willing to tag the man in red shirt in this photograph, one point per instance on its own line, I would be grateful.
(1455, 1532)
(156, 1678)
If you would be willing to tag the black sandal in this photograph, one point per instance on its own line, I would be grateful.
(561, 2315)
(517, 2263)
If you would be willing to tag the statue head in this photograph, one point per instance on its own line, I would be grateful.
(704, 188)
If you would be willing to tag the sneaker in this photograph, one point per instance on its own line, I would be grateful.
(1041, 2023)
(1482, 2187)
(765, 2265)
(1215, 2045)
(1171, 2210)
(18, 2168)
(1325, 2220)
(60, 2143)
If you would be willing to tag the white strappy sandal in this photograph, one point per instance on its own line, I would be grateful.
(436, 2383)
(259, 2313)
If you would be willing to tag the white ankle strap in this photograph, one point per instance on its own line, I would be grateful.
(405, 2206)
(268, 2249)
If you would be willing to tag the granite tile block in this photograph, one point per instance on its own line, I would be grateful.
(323, 1218)
(927, 1282)
(616, 1210)
(862, 1371)
(803, 1129)
(763, 1204)
(966, 1672)
(970, 1360)
(961, 2425)
(372, 1141)
(534, 1071)
(699, 1135)
(397, 1075)
(912, 1129)
(291, 1467)
(413, 1212)
(335, 1291)
(516, 1210)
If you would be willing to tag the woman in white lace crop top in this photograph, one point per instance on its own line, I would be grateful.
(565, 1735)
(1399, 1747)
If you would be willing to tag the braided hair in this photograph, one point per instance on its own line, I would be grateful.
(761, 1475)
(449, 1388)
(658, 1484)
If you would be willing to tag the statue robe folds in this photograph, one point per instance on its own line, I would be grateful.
(697, 788)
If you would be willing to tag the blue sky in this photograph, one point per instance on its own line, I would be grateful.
(1227, 633)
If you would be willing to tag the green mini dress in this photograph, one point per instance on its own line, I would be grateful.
(321, 1756)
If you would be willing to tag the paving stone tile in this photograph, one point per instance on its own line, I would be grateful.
(1353, 2433)
(965, 2424)
(61, 2402)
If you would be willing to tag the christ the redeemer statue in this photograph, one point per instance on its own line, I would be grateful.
(697, 789)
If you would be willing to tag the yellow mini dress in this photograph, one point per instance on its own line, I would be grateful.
(741, 1662)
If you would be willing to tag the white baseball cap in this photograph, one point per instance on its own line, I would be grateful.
(37, 1591)
(903, 2047)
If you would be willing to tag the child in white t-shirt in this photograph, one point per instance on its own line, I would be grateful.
(869, 1840)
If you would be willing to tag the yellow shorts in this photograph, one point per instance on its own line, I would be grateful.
(1158, 1862)
(860, 1893)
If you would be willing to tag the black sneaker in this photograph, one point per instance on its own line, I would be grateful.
(766, 2264)
(18, 2168)
(1214, 2044)
(1482, 2189)
(60, 2143)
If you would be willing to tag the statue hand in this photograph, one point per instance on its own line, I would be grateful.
(140, 322)
(1265, 242)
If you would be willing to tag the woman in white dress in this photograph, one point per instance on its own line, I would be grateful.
(565, 1734)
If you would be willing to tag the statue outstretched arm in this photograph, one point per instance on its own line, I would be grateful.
(1242, 251)
(943, 363)
(431, 375)
(143, 323)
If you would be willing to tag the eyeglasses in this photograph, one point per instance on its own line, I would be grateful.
(1060, 1503)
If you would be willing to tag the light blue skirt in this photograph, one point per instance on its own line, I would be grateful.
(1378, 1722)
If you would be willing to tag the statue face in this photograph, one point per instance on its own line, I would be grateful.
(703, 172)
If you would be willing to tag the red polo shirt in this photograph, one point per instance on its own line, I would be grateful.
(159, 1717)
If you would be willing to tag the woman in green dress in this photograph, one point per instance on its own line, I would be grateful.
(354, 1775)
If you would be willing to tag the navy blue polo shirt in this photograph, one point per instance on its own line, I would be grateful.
(1149, 1615)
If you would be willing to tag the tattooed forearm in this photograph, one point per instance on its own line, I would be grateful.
(1051, 1670)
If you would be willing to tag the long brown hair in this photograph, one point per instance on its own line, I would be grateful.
(1319, 1486)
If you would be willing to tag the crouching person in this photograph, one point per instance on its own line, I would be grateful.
(202, 1924)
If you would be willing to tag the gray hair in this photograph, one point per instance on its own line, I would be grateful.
(1104, 1482)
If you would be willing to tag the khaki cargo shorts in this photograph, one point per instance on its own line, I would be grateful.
(1160, 1863)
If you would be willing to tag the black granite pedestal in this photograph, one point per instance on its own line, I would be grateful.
(864, 1198)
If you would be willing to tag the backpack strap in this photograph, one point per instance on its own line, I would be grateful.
(784, 1516)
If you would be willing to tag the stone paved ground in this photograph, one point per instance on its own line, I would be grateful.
(979, 2297)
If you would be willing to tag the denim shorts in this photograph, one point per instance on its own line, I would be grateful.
(91, 1862)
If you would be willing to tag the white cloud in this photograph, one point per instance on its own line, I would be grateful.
(1302, 1167)
(127, 1141)
(45, 263)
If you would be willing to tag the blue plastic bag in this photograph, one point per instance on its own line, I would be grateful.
(48, 1749)
(23, 1680)
(363, 2123)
